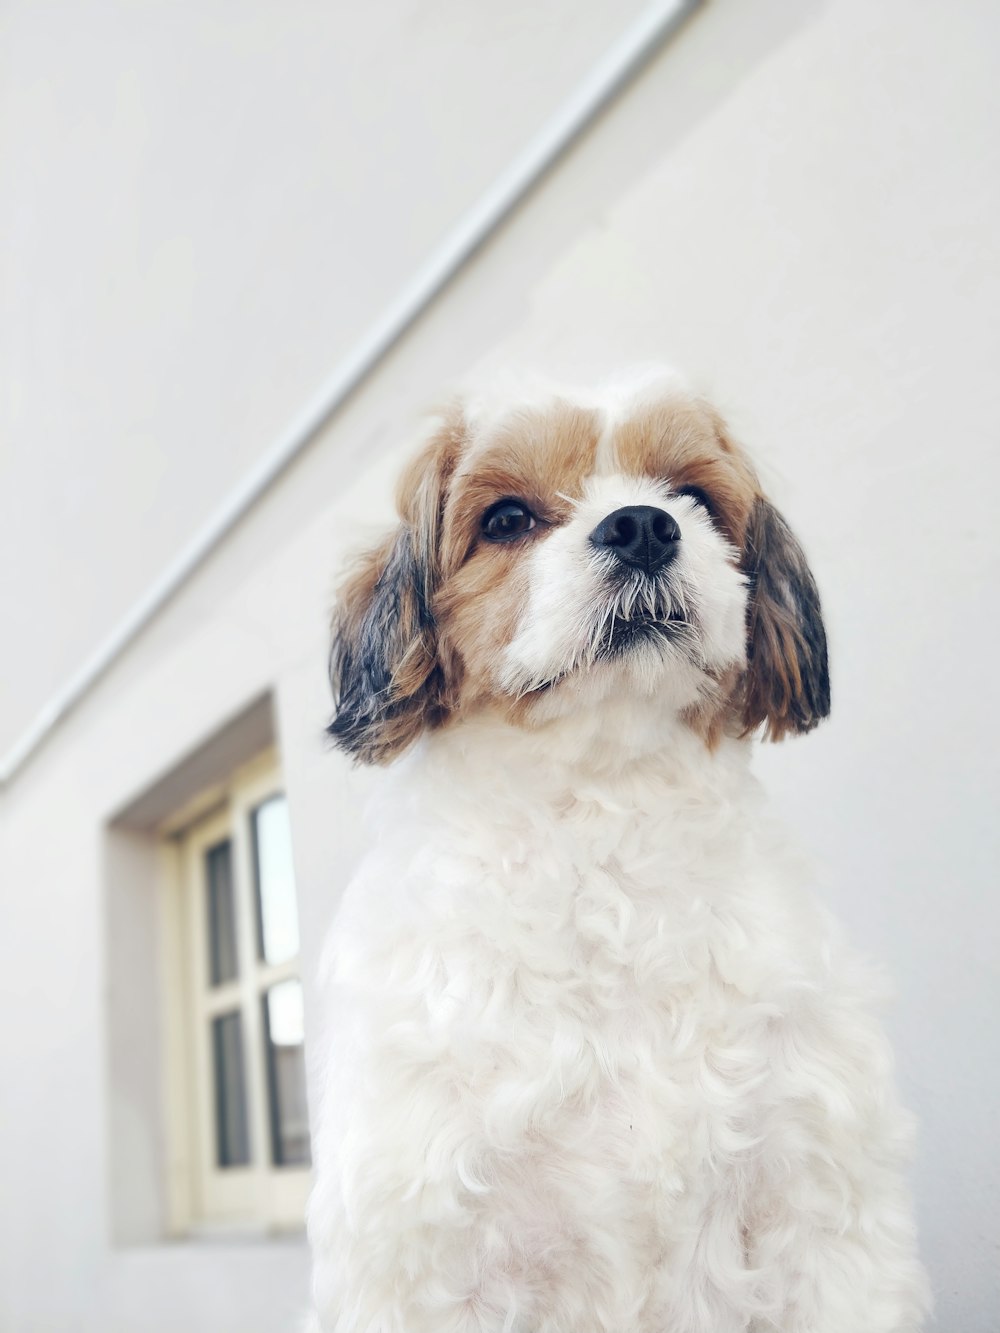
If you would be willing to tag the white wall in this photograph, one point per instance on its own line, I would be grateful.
(799, 202)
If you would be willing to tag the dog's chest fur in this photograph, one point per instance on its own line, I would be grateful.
(567, 997)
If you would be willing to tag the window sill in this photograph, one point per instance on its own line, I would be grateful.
(207, 1236)
(239, 1233)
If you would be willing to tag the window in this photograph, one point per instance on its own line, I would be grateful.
(247, 1148)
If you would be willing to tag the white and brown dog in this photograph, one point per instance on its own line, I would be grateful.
(599, 1062)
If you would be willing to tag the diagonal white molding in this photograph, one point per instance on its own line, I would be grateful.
(616, 69)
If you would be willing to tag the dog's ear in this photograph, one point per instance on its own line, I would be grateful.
(387, 681)
(787, 681)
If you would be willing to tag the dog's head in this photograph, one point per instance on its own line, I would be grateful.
(562, 551)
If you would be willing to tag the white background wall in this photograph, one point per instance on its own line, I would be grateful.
(799, 202)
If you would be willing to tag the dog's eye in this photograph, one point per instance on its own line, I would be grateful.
(507, 519)
(696, 494)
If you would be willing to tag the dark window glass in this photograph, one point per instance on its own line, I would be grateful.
(277, 913)
(232, 1134)
(222, 961)
(286, 1074)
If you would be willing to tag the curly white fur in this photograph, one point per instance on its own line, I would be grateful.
(599, 1063)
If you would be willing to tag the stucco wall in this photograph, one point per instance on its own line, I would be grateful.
(799, 203)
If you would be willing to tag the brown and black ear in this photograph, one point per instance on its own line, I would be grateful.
(787, 682)
(387, 681)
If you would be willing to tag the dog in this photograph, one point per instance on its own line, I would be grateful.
(598, 1062)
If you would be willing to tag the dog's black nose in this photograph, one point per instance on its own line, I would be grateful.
(639, 535)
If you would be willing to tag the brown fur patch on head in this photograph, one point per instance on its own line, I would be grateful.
(538, 456)
(685, 442)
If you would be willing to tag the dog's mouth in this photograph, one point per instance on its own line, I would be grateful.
(624, 634)
(627, 632)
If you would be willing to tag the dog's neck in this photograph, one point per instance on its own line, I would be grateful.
(618, 750)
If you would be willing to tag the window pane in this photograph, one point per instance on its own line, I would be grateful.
(232, 1135)
(277, 914)
(286, 1074)
(222, 962)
